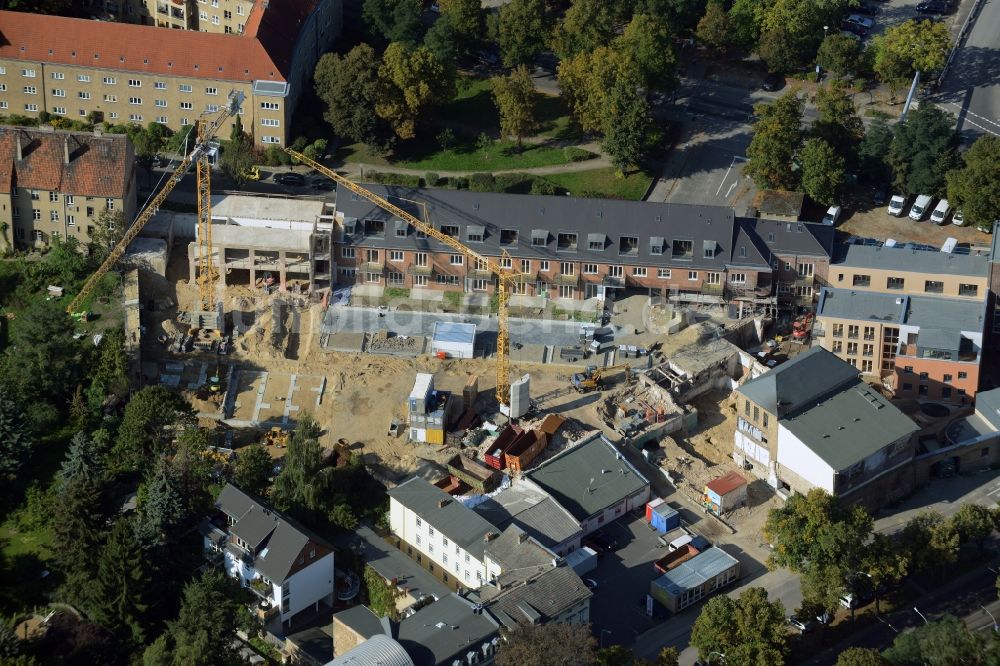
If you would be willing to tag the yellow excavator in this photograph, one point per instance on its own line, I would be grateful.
(592, 378)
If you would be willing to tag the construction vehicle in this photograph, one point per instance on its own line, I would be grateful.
(592, 378)
(253, 173)
(200, 156)
(277, 437)
(506, 278)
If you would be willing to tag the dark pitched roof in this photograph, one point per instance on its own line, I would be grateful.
(392, 564)
(515, 551)
(705, 227)
(99, 166)
(799, 238)
(544, 596)
(445, 630)
(277, 539)
(363, 621)
(460, 524)
(588, 478)
(805, 378)
(532, 511)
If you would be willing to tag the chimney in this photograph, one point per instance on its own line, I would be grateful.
(522, 537)
(443, 503)
(20, 152)
(66, 149)
(489, 536)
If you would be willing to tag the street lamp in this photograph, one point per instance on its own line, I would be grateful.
(708, 659)
(921, 615)
(825, 28)
(986, 610)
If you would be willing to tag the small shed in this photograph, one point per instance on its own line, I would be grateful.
(779, 205)
(725, 493)
(453, 339)
(662, 516)
(582, 560)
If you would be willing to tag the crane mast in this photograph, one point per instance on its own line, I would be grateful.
(505, 277)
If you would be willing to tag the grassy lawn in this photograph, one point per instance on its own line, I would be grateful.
(15, 541)
(473, 105)
(603, 183)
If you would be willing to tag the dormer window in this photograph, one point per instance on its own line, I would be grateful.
(539, 238)
(566, 242)
(475, 233)
(402, 228)
(508, 236)
(628, 245)
(375, 228)
(656, 244)
(596, 242)
(450, 230)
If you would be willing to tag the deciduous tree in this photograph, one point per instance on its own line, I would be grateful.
(714, 29)
(393, 20)
(975, 523)
(15, 442)
(822, 171)
(777, 136)
(856, 656)
(930, 541)
(923, 151)
(586, 81)
(412, 82)
(839, 54)
(109, 227)
(975, 188)
(548, 645)
(748, 630)
(521, 31)
(238, 158)
(586, 25)
(41, 364)
(466, 18)
(628, 127)
(348, 85)
(873, 149)
(443, 40)
(514, 96)
(947, 641)
(837, 121)
(253, 469)
(912, 46)
(648, 47)
(148, 424)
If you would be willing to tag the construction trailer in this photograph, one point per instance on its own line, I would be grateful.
(690, 581)
(430, 411)
(661, 516)
(453, 340)
(725, 493)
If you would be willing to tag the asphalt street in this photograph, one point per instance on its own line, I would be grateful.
(971, 88)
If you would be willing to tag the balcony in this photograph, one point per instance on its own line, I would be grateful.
(818, 331)
(162, 9)
(372, 267)
(567, 280)
(414, 269)
(613, 281)
(525, 277)
(480, 273)
(177, 13)
(712, 289)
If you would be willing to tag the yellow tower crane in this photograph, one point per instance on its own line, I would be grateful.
(200, 156)
(505, 276)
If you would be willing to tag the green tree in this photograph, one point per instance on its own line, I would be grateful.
(682, 15)
(15, 442)
(648, 46)
(147, 426)
(299, 487)
(79, 522)
(83, 462)
(856, 656)
(238, 158)
(514, 97)
(923, 150)
(586, 81)
(668, 656)
(615, 655)
(253, 470)
(837, 120)
(975, 188)
(521, 30)
(109, 227)
(443, 40)
(41, 364)
(466, 18)
(822, 171)
(774, 49)
(204, 633)
(947, 641)
(873, 149)
(192, 471)
(348, 85)
(777, 136)
(839, 54)
(548, 645)
(382, 596)
(930, 541)
(162, 510)
(912, 46)
(975, 523)
(714, 29)
(748, 630)
(745, 18)
(885, 562)
(393, 20)
(586, 25)
(411, 84)
(122, 585)
(109, 372)
(628, 127)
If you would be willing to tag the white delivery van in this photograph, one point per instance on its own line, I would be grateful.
(920, 207)
(940, 212)
(897, 205)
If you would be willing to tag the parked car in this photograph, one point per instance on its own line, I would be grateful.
(940, 213)
(773, 81)
(289, 178)
(856, 19)
(832, 216)
(958, 218)
(880, 195)
(853, 29)
(897, 205)
(803, 624)
(933, 8)
(920, 207)
(324, 185)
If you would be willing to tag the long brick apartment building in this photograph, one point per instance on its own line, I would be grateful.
(56, 184)
(129, 73)
(575, 248)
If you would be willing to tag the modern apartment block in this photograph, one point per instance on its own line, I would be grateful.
(128, 73)
(565, 247)
(56, 184)
(912, 319)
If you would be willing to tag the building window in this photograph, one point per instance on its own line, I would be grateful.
(31, 107)
(963, 375)
(162, 120)
(866, 366)
(420, 259)
(868, 350)
(838, 330)
(479, 285)
(862, 280)
(53, 216)
(738, 278)
(211, 91)
(109, 81)
(58, 76)
(852, 332)
(56, 92)
(269, 106)
(111, 98)
(109, 204)
(852, 348)
(805, 270)
(270, 122)
(663, 273)
(71, 220)
(135, 117)
(30, 90)
(160, 85)
(83, 78)
(113, 115)
(837, 347)
(567, 268)
(756, 414)
(693, 276)
(395, 255)
(456, 260)
(36, 214)
(59, 110)
(968, 290)
(270, 139)
(134, 83)
(934, 287)
(184, 87)
(135, 101)
(187, 106)
(922, 389)
(946, 379)
(28, 73)
(894, 283)
(639, 272)
(160, 103)
(211, 108)
(590, 269)
(226, 14)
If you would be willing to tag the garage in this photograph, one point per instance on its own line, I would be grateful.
(453, 340)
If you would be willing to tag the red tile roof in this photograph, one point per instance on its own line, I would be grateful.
(726, 484)
(99, 166)
(264, 51)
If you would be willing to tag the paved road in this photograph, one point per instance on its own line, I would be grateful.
(971, 89)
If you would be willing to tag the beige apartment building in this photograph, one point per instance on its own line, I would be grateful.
(56, 184)
(220, 16)
(911, 319)
(123, 73)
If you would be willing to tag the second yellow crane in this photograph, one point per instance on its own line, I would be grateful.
(505, 276)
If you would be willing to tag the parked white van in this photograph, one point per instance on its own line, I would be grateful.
(940, 213)
(919, 209)
(897, 204)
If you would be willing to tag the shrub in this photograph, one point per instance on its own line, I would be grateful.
(542, 186)
(403, 179)
(574, 154)
(431, 179)
(482, 182)
(446, 139)
(459, 182)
